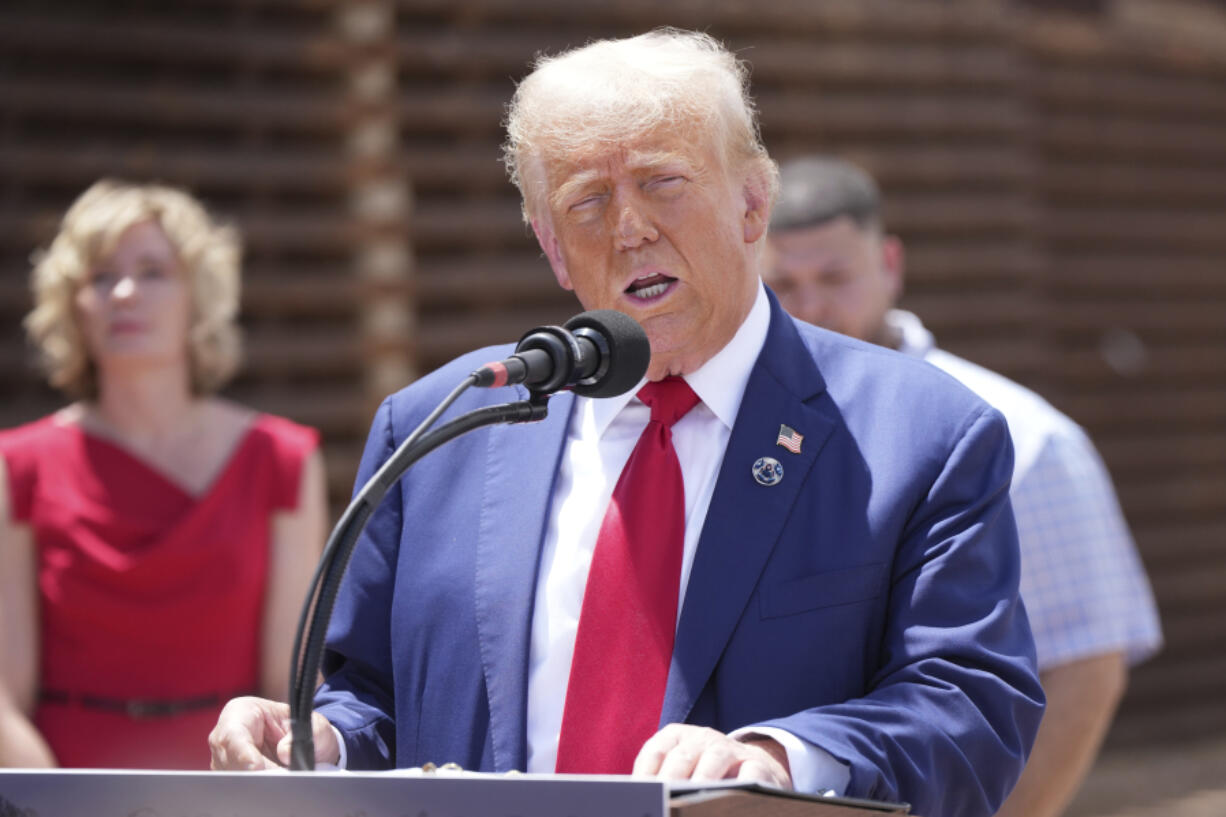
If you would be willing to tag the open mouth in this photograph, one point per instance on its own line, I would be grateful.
(650, 286)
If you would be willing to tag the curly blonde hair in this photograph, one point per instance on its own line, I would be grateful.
(208, 251)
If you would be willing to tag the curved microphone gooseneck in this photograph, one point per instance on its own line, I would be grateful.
(606, 354)
(335, 559)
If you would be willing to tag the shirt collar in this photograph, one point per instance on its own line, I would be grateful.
(719, 383)
(913, 338)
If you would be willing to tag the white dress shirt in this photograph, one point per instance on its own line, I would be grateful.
(601, 437)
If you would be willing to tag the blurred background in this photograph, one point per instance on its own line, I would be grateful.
(1056, 167)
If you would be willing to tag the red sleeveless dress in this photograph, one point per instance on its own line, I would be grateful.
(151, 599)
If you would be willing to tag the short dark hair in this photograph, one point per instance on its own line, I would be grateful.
(817, 189)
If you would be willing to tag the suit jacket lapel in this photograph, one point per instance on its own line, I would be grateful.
(745, 518)
(521, 465)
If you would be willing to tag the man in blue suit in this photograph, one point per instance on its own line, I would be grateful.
(847, 615)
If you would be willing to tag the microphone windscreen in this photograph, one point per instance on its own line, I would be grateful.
(629, 351)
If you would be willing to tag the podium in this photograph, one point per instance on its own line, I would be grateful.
(750, 800)
(115, 793)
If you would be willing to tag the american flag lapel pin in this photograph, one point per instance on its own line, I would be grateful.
(790, 439)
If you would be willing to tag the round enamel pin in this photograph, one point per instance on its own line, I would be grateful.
(767, 471)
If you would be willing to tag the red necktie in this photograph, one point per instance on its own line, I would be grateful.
(629, 614)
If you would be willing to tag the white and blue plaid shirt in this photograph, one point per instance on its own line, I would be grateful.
(1082, 581)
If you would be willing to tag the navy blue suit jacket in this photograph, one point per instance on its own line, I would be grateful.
(867, 603)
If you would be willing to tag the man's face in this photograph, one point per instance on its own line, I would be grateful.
(657, 227)
(837, 275)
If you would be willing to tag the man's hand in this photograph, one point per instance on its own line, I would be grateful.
(253, 733)
(684, 752)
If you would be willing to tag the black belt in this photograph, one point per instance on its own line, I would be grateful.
(137, 707)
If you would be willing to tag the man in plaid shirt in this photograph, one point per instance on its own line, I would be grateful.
(1089, 602)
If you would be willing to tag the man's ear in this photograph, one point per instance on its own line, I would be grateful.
(553, 251)
(894, 263)
(757, 207)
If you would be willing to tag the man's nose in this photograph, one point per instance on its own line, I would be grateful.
(634, 226)
(811, 304)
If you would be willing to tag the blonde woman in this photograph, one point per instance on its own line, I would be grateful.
(155, 540)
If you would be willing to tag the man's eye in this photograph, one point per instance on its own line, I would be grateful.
(586, 204)
(665, 182)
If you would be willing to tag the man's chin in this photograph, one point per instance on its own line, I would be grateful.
(668, 358)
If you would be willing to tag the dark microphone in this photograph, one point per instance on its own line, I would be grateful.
(601, 353)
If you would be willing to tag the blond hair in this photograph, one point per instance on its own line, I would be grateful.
(208, 251)
(610, 90)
